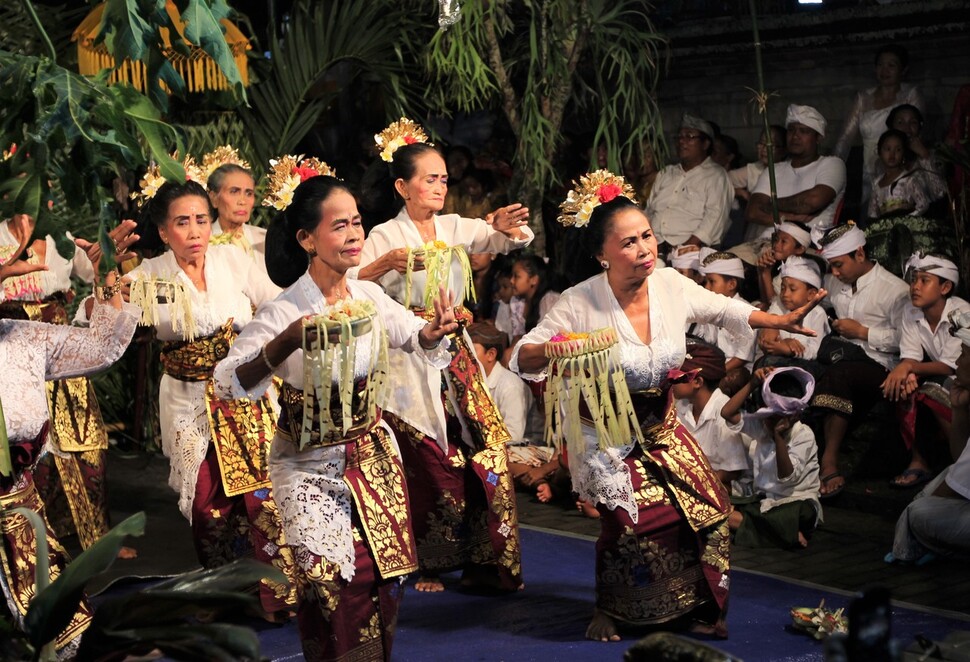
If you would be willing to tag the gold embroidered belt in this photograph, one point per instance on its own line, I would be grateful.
(51, 310)
(291, 416)
(241, 429)
(194, 361)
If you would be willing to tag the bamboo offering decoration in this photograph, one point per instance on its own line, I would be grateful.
(583, 365)
(6, 464)
(436, 257)
(147, 293)
(329, 356)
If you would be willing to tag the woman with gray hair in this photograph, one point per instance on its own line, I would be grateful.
(232, 192)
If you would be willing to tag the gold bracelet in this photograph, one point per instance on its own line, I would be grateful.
(262, 355)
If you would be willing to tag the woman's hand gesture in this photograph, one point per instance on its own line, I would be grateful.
(792, 321)
(443, 323)
(123, 237)
(509, 220)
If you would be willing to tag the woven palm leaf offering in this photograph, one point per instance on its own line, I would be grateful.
(586, 381)
(435, 258)
(339, 397)
(149, 292)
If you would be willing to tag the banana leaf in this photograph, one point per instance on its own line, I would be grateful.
(52, 608)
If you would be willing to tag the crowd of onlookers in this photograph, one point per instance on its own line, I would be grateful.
(884, 333)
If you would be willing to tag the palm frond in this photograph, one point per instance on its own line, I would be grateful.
(306, 73)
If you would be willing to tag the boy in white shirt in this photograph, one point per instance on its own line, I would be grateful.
(928, 353)
(699, 404)
(529, 462)
(785, 461)
(723, 274)
(800, 282)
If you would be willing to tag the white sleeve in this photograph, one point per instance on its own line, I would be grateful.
(706, 307)
(910, 346)
(74, 351)
(403, 327)
(801, 448)
(270, 321)
(479, 237)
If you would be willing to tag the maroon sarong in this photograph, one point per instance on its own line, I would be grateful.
(674, 560)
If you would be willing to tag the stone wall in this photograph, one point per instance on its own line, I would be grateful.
(820, 59)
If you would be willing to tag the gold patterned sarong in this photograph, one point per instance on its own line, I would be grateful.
(18, 556)
(240, 428)
(479, 412)
(374, 475)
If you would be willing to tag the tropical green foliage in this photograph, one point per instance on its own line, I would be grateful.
(132, 29)
(162, 617)
(547, 64)
(326, 47)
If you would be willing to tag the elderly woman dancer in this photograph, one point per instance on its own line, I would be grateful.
(341, 490)
(451, 435)
(31, 354)
(662, 555)
(232, 192)
(216, 448)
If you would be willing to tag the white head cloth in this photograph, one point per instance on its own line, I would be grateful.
(698, 124)
(714, 261)
(931, 264)
(784, 405)
(960, 325)
(686, 256)
(808, 116)
(801, 235)
(803, 269)
(846, 243)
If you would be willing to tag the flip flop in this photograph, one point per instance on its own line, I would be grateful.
(836, 491)
(920, 476)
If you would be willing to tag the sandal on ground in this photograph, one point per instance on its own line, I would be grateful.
(919, 477)
(833, 493)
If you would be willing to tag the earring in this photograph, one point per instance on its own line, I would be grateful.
(605, 264)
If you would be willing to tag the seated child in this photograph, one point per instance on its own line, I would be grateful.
(724, 274)
(800, 282)
(531, 296)
(686, 260)
(789, 238)
(785, 461)
(937, 520)
(699, 404)
(928, 354)
(901, 189)
(530, 462)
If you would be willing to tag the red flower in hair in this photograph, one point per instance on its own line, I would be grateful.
(305, 173)
(607, 192)
(409, 140)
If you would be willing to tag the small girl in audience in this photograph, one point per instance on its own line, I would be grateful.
(723, 274)
(789, 238)
(800, 282)
(901, 190)
(532, 298)
(785, 461)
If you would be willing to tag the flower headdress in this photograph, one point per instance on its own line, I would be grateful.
(591, 191)
(288, 172)
(153, 180)
(400, 133)
(220, 156)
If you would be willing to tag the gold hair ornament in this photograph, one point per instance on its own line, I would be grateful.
(398, 134)
(590, 192)
(288, 172)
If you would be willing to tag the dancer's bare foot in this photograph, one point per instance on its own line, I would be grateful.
(427, 584)
(127, 553)
(544, 493)
(602, 628)
(802, 540)
(587, 509)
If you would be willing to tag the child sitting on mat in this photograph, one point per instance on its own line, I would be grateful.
(785, 461)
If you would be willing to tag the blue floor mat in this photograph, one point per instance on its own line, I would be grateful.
(546, 621)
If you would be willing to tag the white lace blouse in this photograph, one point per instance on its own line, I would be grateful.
(32, 353)
(601, 476)
(313, 499)
(42, 284)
